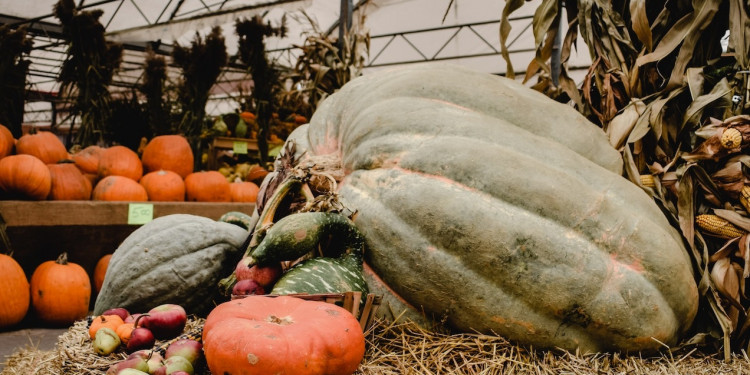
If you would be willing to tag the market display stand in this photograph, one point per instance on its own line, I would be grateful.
(86, 230)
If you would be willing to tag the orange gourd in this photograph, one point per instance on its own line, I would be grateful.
(100, 270)
(24, 177)
(60, 291)
(119, 188)
(244, 191)
(269, 334)
(256, 174)
(6, 142)
(207, 186)
(87, 160)
(163, 185)
(110, 321)
(168, 152)
(120, 161)
(68, 183)
(125, 331)
(44, 145)
(14, 292)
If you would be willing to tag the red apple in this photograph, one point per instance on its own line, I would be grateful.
(174, 364)
(265, 276)
(166, 321)
(137, 363)
(119, 311)
(132, 318)
(131, 371)
(141, 338)
(180, 373)
(189, 349)
(247, 287)
(153, 358)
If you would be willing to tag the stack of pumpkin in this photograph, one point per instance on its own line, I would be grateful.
(41, 168)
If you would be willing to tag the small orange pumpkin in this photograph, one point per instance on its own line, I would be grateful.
(101, 321)
(60, 291)
(24, 177)
(207, 186)
(100, 270)
(14, 292)
(120, 161)
(256, 174)
(87, 160)
(164, 185)
(68, 183)
(125, 331)
(244, 191)
(267, 335)
(44, 145)
(119, 188)
(247, 116)
(6, 142)
(168, 152)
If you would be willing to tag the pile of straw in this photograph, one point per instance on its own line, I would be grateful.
(405, 348)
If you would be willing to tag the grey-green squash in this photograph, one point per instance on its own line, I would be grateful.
(173, 259)
(489, 205)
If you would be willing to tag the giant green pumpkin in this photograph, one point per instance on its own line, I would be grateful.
(175, 259)
(487, 204)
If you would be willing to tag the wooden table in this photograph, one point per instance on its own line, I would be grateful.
(87, 230)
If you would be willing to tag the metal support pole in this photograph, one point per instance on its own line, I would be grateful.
(345, 21)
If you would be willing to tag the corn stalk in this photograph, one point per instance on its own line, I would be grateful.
(664, 91)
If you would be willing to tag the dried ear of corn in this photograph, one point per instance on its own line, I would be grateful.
(745, 197)
(647, 180)
(731, 138)
(718, 226)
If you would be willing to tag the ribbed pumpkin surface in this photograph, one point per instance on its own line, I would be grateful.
(14, 292)
(173, 259)
(489, 204)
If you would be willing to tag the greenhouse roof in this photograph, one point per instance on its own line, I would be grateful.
(465, 32)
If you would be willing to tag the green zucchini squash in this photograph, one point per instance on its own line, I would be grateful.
(489, 205)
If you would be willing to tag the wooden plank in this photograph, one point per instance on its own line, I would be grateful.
(98, 213)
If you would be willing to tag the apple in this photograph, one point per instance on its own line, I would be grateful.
(119, 311)
(153, 358)
(141, 338)
(136, 363)
(166, 321)
(191, 350)
(132, 371)
(132, 318)
(247, 287)
(265, 276)
(180, 373)
(174, 364)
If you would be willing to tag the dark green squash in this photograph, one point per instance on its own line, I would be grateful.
(490, 205)
(173, 259)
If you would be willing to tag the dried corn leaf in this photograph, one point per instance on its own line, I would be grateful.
(639, 23)
(510, 7)
(734, 218)
(725, 277)
(545, 21)
(621, 125)
(719, 97)
(739, 31)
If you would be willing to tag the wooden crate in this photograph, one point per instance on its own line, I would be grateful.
(86, 230)
(348, 300)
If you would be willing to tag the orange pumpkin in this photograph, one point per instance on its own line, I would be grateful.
(168, 152)
(164, 185)
(68, 183)
(100, 270)
(6, 142)
(44, 145)
(125, 331)
(256, 174)
(244, 191)
(60, 291)
(87, 160)
(120, 161)
(14, 292)
(267, 335)
(101, 321)
(119, 188)
(207, 186)
(24, 177)
(247, 116)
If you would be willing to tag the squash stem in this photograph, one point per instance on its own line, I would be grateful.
(266, 217)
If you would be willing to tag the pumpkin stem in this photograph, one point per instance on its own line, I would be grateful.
(62, 259)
